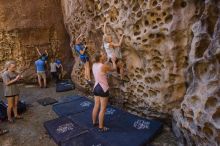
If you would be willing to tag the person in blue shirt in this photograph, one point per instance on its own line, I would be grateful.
(40, 67)
(81, 50)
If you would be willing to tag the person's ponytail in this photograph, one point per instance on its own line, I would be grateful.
(97, 57)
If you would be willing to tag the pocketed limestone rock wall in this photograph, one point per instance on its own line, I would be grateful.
(198, 118)
(171, 52)
(25, 25)
(154, 48)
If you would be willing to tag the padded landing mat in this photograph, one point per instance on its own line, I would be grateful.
(130, 130)
(84, 118)
(63, 129)
(125, 129)
(87, 139)
(72, 107)
(69, 98)
(47, 101)
(65, 85)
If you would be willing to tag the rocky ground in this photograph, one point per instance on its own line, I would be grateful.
(30, 130)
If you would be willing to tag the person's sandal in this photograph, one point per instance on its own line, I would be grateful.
(3, 131)
(104, 129)
(11, 121)
(18, 117)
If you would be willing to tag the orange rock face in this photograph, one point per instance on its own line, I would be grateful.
(154, 49)
(25, 25)
(170, 50)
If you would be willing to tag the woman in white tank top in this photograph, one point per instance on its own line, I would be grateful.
(113, 51)
(100, 70)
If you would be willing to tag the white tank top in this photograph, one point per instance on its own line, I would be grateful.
(53, 67)
(109, 51)
(100, 76)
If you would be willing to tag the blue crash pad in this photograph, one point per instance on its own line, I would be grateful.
(87, 139)
(64, 86)
(125, 128)
(130, 130)
(69, 98)
(63, 129)
(72, 107)
(85, 118)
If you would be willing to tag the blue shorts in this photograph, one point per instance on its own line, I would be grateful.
(98, 91)
(84, 58)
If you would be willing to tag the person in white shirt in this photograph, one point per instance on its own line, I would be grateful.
(59, 68)
(113, 51)
(53, 70)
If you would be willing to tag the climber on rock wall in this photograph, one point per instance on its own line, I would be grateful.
(80, 48)
(43, 56)
(113, 51)
(11, 91)
(101, 88)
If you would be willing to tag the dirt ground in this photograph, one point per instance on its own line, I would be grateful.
(30, 130)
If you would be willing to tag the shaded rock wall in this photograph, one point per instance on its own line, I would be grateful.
(198, 119)
(25, 25)
(154, 49)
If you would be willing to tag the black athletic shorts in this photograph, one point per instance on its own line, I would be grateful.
(98, 91)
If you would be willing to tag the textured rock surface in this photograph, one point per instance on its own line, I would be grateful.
(25, 25)
(164, 48)
(154, 48)
(171, 51)
(199, 116)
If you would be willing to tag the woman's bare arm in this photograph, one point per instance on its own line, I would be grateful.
(46, 52)
(79, 36)
(105, 29)
(107, 68)
(120, 42)
(12, 81)
(38, 51)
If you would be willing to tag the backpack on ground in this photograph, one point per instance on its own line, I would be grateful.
(3, 111)
(22, 107)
